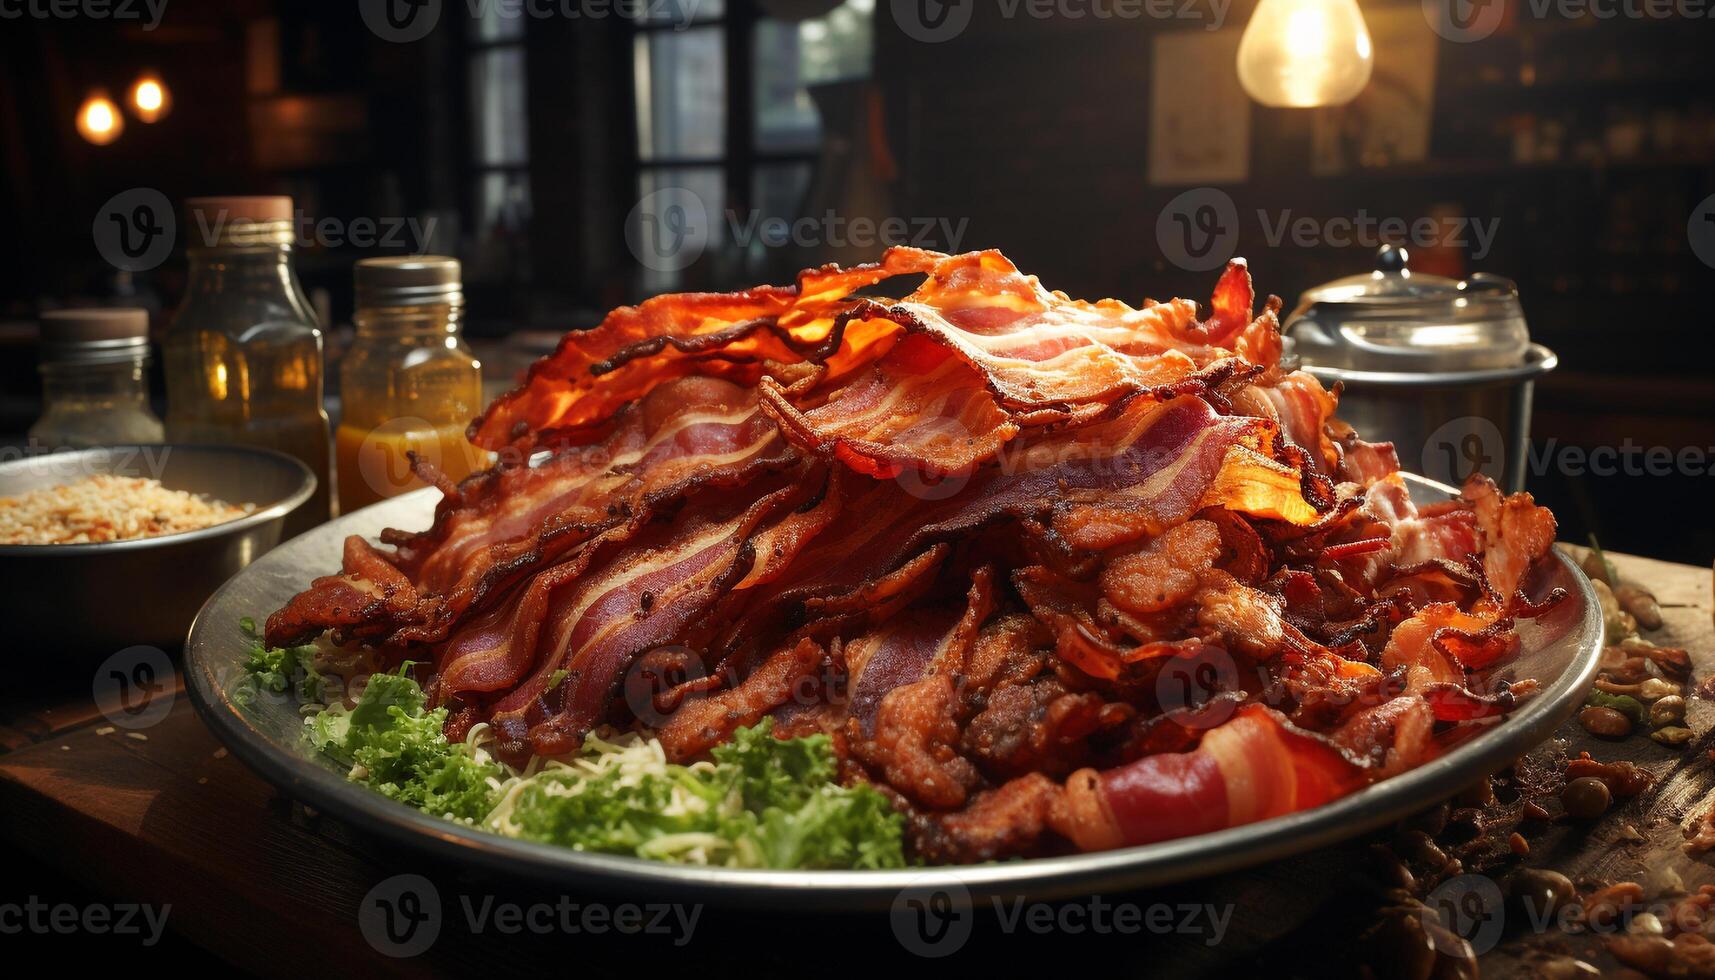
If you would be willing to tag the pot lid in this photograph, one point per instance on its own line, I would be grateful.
(1395, 320)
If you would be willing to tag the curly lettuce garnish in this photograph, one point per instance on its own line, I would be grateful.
(761, 802)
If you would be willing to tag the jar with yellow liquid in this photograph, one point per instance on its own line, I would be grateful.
(243, 357)
(409, 383)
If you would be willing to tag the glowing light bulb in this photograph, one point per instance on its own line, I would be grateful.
(1303, 53)
(150, 99)
(98, 120)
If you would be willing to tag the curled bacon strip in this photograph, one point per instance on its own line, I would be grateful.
(1252, 767)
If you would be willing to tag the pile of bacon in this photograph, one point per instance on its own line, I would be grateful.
(1053, 574)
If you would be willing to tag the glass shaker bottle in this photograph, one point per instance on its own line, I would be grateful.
(93, 390)
(409, 383)
(244, 354)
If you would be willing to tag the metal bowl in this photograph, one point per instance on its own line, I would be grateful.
(1559, 650)
(79, 601)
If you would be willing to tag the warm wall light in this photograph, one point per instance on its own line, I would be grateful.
(98, 119)
(1303, 53)
(150, 99)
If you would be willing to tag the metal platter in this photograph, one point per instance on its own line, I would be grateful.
(1560, 651)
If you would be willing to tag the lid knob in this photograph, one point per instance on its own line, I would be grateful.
(1392, 259)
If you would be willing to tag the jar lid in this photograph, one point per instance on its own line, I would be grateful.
(409, 280)
(262, 219)
(103, 335)
(1397, 321)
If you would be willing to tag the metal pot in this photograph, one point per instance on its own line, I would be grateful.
(68, 605)
(1442, 368)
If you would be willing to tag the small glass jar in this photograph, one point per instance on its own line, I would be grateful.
(93, 389)
(244, 353)
(409, 383)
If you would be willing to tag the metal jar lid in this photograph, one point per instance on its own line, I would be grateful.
(95, 336)
(239, 220)
(1395, 325)
(409, 280)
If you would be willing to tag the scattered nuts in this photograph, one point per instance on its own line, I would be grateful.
(1672, 735)
(1620, 700)
(1586, 798)
(1597, 567)
(1627, 670)
(1667, 711)
(1640, 604)
(1656, 688)
(1605, 722)
(1519, 845)
(1615, 621)
(1566, 968)
(1541, 891)
(1623, 779)
(1672, 661)
(1645, 924)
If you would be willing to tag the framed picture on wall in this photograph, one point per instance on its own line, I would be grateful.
(1201, 133)
(1388, 123)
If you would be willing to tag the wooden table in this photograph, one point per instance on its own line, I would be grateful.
(95, 816)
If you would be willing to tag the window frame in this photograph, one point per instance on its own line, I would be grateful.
(476, 171)
(741, 158)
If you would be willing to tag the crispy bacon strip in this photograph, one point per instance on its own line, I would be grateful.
(510, 522)
(646, 595)
(594, 373)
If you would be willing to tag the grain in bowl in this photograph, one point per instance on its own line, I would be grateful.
(104, 507)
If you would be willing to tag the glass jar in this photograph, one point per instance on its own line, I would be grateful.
(244, 354)
(409, 383)
(93, 390)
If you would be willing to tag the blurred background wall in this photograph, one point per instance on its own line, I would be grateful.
(575, 159)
